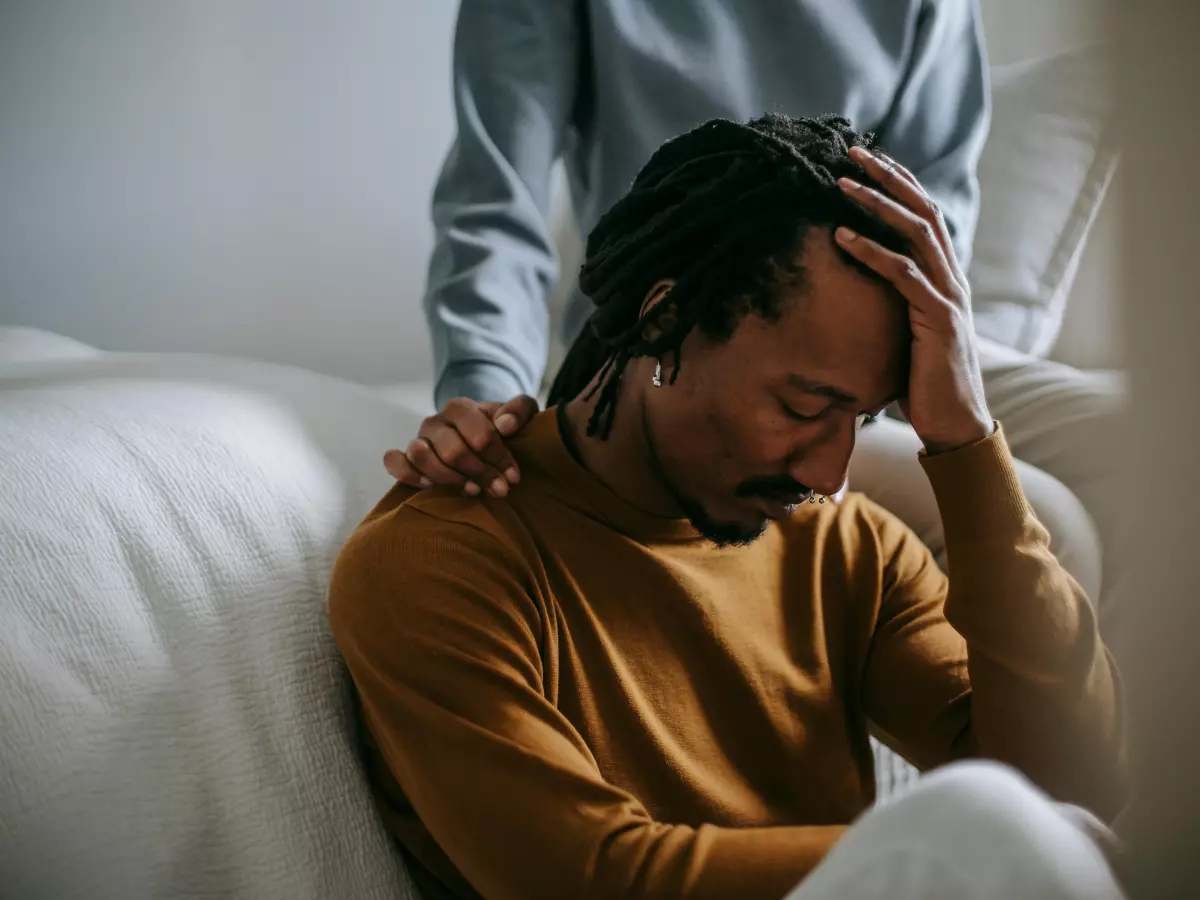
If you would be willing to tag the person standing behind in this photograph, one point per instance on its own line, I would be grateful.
(602, 84)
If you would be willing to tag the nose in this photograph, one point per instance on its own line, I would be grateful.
(824, 465)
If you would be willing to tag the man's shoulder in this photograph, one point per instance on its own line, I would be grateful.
(424, 558)
(422, 526)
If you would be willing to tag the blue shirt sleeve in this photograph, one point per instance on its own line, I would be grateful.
(939, 119)
(516, 68)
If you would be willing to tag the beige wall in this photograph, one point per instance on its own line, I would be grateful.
(1158, 80)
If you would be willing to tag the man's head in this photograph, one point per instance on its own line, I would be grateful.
(722, 255)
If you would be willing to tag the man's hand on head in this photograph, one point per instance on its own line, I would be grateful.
(945, 402)
(462, 447)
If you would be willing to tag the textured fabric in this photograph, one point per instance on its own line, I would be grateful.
(175, 720)
(970, 831)
(567, 696)
(603, 83)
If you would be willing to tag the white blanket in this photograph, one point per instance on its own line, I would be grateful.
(174, 718)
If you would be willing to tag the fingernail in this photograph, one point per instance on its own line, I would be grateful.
(425, 482)
(500, 487)
(845, 234)
(506, 423)
(849, 184)
(472, 489)
(512, 474)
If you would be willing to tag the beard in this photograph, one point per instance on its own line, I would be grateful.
(723, 534)
(778, 488)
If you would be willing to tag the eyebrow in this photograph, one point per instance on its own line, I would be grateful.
(824, 390)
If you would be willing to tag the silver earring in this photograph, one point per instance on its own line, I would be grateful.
(657, 379)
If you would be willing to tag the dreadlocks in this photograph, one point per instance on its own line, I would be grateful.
(722, 210)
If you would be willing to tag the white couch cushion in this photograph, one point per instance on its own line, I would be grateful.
(1043, 175)
(175, 716)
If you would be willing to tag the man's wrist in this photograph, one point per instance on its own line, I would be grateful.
(950, 441)
(978, 492)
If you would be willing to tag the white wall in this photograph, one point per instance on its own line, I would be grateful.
(252, 176)
(242, 176)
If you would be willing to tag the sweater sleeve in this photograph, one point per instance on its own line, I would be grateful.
(1004, 658)
(442, 627)
(516, 68)
(938, 120)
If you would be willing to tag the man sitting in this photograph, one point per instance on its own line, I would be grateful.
(649, 672)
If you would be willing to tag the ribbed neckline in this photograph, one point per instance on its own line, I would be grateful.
(541, 446)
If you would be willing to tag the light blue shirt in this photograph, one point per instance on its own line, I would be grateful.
(603, 83)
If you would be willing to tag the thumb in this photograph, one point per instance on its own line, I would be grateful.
(515, 415)
(489, 408)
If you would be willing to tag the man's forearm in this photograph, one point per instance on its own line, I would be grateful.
(1045, 695)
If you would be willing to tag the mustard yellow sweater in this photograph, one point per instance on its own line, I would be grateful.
(567, 697)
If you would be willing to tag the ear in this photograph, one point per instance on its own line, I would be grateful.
(659, 293)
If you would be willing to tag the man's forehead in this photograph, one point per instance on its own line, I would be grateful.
(880, 393)
(821, 388)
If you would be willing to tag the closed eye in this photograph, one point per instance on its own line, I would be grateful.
(861, 420)
(800, 417)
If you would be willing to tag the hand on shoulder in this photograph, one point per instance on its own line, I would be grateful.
(462, 447)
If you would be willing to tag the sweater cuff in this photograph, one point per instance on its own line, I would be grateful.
(481, 381)
(978, 492)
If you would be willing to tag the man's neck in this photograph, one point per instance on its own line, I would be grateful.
(624, 461)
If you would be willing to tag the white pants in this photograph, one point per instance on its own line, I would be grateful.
(1054, 417)
(970, 831)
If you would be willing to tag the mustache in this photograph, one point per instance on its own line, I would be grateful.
(782, 488)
